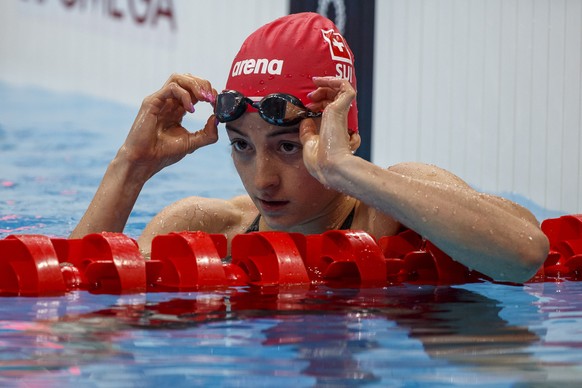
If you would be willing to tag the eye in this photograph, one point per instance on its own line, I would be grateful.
(289, 147)
(240, 145)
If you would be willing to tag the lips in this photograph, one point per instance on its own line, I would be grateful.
(272, 206)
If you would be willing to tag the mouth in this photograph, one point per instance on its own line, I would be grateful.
(272, 206)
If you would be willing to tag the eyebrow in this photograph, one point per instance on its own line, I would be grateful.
(277, 132)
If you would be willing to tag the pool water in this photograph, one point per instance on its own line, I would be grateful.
(54, 148)
(478, 335)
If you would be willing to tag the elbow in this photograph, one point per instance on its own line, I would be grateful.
(539, 252)
(530, 258)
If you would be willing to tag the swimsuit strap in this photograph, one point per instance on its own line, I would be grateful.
(348, 221)
(254, 227)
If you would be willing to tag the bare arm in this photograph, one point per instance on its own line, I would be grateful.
(156, 140)
(484, 232)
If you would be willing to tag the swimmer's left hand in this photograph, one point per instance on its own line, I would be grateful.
(325, 149)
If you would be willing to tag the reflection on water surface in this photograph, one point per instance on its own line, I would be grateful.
(478, 334)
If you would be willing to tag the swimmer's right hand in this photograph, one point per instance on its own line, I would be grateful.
(157, 138)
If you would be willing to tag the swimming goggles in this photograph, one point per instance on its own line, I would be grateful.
(277, 109)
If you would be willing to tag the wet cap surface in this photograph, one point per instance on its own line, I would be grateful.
(283, 57)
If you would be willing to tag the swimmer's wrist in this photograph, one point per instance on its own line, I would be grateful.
(127, 171)
(339, 171)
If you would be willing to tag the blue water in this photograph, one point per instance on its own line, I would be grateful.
(477, 335)
(53, 150)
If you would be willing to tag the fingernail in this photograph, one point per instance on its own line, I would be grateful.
(192, 109)
(310, 94)
(208, 96)
(216, 122)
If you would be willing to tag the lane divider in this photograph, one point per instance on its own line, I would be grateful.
(35, 265)
(564, 261)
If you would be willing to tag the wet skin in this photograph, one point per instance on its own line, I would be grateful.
(269, 160)
(307, 180)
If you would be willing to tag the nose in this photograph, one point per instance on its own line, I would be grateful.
(266, 173)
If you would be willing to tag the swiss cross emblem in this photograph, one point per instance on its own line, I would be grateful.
(337, 46)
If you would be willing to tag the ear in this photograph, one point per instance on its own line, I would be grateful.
(355, 141)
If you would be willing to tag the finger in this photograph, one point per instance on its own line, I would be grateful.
(205, 136)
(172, 110)
(307, 131)
(171, 91)
(331, 90)
(342, 91)
(344, 98)
(332, 82)
(199, 89)
(318, 106)
(322, 94)
(337, 101)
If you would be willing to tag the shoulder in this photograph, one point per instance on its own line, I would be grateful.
(211, 215)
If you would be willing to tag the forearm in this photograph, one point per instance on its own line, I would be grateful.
(473, 228)
(156, 140)
(114, 200)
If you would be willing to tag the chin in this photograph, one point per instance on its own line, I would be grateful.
(279, 224)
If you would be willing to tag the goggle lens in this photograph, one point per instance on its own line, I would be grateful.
(276, 109)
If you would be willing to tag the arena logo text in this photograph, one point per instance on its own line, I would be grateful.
(258, 66)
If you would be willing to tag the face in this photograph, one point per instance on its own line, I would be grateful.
(269, 161)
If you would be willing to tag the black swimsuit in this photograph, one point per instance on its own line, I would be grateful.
(346, 225)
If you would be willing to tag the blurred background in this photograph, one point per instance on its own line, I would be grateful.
(488, 89)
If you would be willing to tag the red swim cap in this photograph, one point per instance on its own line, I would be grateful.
(284, 55)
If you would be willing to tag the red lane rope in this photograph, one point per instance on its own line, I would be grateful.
(34, 265)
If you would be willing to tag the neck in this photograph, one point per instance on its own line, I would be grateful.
(331, 218)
